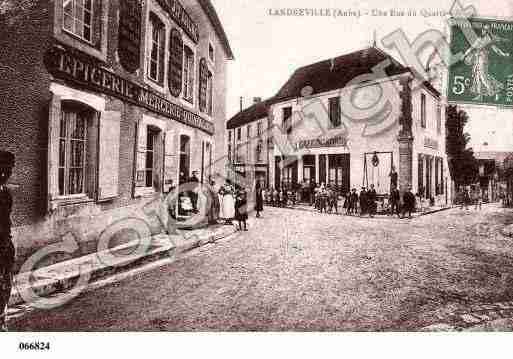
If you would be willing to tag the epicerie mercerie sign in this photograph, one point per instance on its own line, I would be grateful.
(481, 70)
(84, 71)
(338, 141)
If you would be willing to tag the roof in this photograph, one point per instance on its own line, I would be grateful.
(328, 75)
(336, 73)
(218, 27)
(255, 112)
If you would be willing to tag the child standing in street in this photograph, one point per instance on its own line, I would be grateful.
(241, 210)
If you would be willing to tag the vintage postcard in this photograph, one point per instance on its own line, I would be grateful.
(235, 166)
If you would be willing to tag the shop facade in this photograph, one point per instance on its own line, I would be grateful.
(118, 101)
(318, 137)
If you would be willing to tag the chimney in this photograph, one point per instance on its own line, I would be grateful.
(257, 99)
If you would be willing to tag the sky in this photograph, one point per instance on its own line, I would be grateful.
(268, 48)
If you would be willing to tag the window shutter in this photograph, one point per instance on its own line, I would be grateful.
(53, 148)
(162, 53)
(203, 84)
(108, 159)
(140, 156)
(176, 54)
(170, 171)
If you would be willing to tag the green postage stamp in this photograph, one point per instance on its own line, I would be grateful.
(484, 74)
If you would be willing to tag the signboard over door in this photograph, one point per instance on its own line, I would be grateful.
(484, 75)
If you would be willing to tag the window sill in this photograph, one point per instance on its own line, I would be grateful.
(76, 42)
(155, 85)
(61, 201)
(144, 192)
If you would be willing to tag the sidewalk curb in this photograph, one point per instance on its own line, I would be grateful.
(62, 276)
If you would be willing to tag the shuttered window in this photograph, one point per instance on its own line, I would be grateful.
(287, 117)
(149, 159)
(108, 166)
(78, 18)
(420, 175)
(210, 93)
(203, 85)
(188, 74)
(157, 46)
(176, 63)
(423, 110)
(335, 114)
(73, 147)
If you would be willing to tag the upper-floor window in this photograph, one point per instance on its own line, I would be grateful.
(239, 134)
(206, 89)
(78, 18)
(287, 117)
(249, 131)
(259, 150)
(439, 119)
(211, 52)
(423, 110)
(157, 49)
(229, 136)
(210, 93)
(259, 128)
(335, 112)
(188, 90)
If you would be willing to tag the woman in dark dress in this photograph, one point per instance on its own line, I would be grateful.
(241, 210)
(7, 252)
(259, 205)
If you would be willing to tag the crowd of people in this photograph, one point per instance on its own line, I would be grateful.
(328, 199)
(467, 197)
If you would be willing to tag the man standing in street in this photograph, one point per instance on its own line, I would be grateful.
(372, 197)
(395, 197)
(7, 252)
(353, 202)
(363, 202)
(409, 203)
(193, 193)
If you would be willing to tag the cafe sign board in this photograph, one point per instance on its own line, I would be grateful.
(84, 71)
(337, 141)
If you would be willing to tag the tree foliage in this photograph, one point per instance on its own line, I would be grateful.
(462, 163)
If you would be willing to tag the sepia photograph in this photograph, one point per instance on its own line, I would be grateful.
(256, 170)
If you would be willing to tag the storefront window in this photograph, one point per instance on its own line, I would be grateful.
(420, 182)
(73, 149)
(151, 139)
(185, 155)
(338, 174)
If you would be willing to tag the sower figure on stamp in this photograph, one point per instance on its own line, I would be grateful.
(6, 246)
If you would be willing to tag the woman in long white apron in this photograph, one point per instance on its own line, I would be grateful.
(227, 203)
